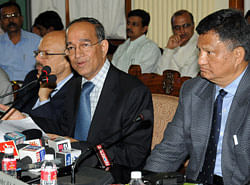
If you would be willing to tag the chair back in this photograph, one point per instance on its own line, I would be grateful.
(164, 110)
(169, 83)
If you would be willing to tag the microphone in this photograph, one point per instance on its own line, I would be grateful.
(51, 79)
(46, 70)
(143, 117)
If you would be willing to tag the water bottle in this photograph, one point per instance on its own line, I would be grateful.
(48, 171)
(9, 162)
(136, 178)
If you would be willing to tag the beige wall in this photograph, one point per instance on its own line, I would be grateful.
(162, 10)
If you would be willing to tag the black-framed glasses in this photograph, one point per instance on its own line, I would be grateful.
(178, 27)
(10, 15)
(71, 50)
(45, 54)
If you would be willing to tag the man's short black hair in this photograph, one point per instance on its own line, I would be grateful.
(49, 19)
(142, 14)
(9, 4)
(179, 13)
(100, 32)
(247, 14)
(231, 26)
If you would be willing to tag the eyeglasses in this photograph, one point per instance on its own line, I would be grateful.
(71, 50)
(178, 27)
(7, 16)
(45, 54)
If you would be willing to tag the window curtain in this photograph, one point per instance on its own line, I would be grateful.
(111, 13)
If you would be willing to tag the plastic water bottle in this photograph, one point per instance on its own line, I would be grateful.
(136, 178)
(9, 162)
(48, 171)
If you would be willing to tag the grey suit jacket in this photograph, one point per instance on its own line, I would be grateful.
(188, 133)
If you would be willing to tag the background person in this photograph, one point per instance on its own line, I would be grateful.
(46, 22)
(181, 53)
(16, 45)
(51, 108)
(137, 49)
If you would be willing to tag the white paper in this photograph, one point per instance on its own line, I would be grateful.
(17, 125)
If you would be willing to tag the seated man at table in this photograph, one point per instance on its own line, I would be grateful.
(50, 107)
(212, 121)
(110, 101)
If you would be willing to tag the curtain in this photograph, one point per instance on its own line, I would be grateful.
(39, 6)
(111, 13)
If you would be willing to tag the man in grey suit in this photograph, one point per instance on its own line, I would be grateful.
(224, 45)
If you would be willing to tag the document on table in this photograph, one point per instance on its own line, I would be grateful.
(17, 125)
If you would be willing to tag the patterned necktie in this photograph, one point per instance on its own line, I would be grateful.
(207, 173)
(83, 118)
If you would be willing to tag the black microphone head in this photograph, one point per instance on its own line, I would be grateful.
(49, 81)
(32, 134)
(52, 79)
(46, 70)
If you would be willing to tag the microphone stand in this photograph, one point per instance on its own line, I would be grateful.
(15, 102)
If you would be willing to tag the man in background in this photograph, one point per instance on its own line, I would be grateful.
(51, 108)
(212, 121)
(46, 22)
(16, 45)
(137, 49)
(181, 53)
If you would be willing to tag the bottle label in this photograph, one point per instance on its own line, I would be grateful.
(50, 175)
(8, 164)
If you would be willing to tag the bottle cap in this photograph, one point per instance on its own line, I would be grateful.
(9, 150)
(49, 157)
(135, 175)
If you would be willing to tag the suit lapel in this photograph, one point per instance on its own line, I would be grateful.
(239, 104)
(103, 113)
(202, 113)
(235, 121)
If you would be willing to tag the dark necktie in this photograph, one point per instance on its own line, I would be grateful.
(83, 118)
(207, 173)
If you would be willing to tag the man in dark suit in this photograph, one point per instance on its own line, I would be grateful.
(116, 100)
(218, 148)
(47, 106)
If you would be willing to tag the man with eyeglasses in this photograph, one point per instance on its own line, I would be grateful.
(181, 53)
(51, 108)
(137, 49)
(115, 100)
(16, 45)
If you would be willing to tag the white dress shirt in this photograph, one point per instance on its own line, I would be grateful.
(141, 51)
(182, 59)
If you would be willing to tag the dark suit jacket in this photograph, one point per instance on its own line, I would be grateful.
(122, 99)
(189, 132)
(57, 116)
